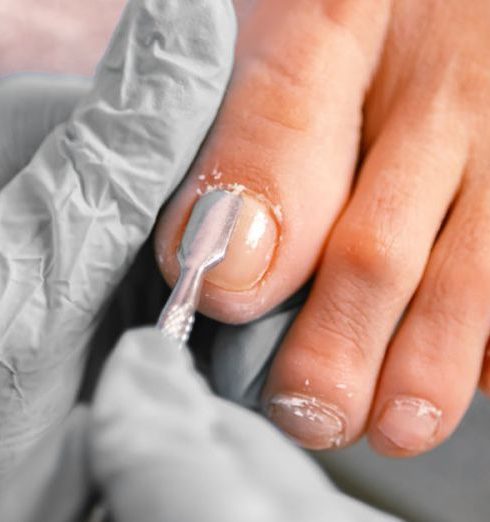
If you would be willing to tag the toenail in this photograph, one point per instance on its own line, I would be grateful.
(410, 423)
(251, 248)
(309, 421)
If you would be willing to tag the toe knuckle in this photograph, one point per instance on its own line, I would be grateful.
(474, 225)
(343, 322)
(457, 281)
(340, 17)
(375, 257)
(456, 298)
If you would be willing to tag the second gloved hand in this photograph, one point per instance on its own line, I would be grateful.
(163, 447)
(73, 219)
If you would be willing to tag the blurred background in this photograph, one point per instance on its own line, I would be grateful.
(449, 484)
(55, 35)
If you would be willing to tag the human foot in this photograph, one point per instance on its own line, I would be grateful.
(392, 336)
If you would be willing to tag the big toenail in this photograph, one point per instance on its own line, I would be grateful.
(251, 248)
(309, 421)
(410, 423)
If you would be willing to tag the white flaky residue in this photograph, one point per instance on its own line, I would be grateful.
(216, 174)
(235, 188)
(422, 407)
(315, 412)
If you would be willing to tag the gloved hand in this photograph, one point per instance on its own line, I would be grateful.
(72, 220)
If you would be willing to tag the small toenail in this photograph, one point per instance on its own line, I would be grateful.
(309, 421)
(410, 423)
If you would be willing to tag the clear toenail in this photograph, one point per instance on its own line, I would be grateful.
(410, 423)
(251, 248)
(307, 420)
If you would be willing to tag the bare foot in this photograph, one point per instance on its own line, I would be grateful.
(392, 337)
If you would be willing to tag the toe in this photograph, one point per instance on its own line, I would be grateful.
(292, 161)
(323, 379)
(434, 362)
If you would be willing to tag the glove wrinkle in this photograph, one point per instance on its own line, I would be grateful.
(72, 221)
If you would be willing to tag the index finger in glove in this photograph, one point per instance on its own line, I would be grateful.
(72, 220)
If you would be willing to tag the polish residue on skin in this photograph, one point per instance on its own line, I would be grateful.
(343, 386)
(213, 183)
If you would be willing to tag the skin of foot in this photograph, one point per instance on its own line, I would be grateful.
(357, 133)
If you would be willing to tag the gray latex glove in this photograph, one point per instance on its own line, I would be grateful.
(73, 219)
(164, 448)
